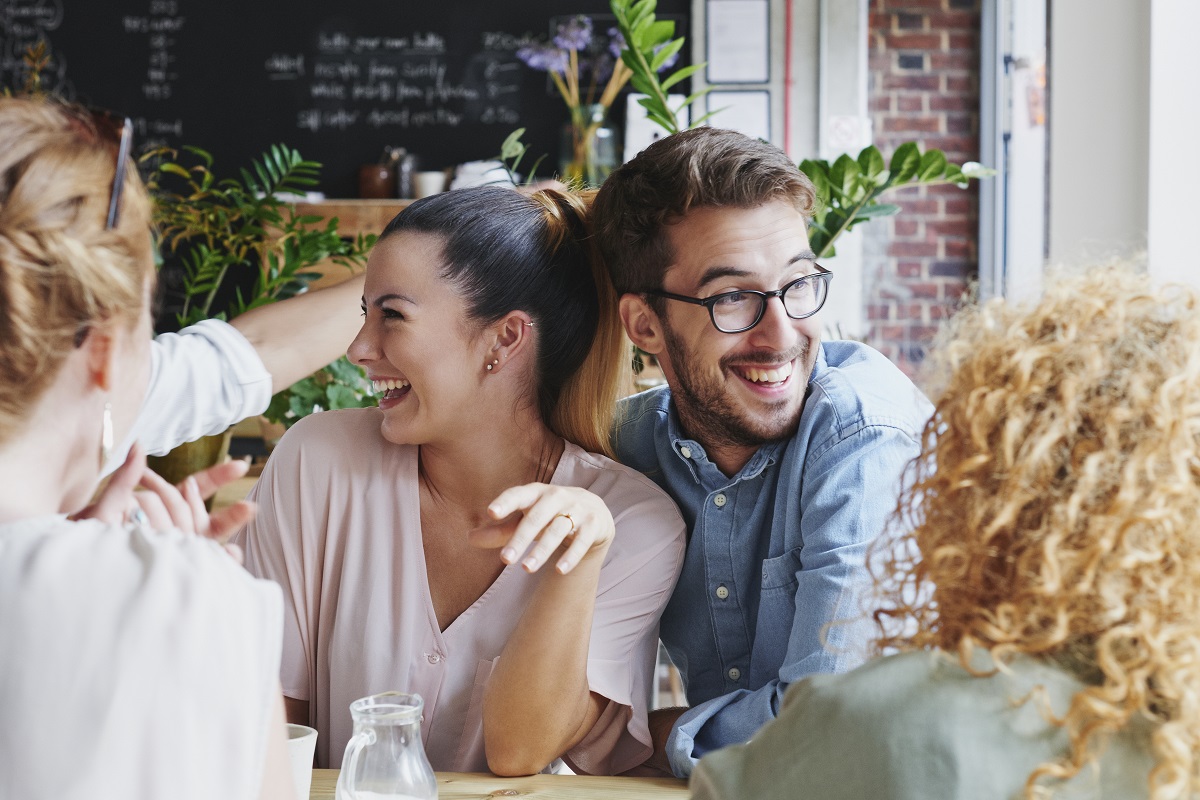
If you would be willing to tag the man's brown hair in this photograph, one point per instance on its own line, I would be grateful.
(700, 168)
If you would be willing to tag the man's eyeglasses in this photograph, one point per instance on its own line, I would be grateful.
(737, 312)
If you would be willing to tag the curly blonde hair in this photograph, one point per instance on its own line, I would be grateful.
(1055, 509)
(60, 269)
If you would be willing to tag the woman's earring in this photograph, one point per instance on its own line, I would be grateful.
(494, 363)
(106, 435)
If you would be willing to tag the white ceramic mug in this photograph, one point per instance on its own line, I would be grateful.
(302, 743)
(427, 183)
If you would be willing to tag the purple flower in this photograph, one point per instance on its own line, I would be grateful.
(575, 34)
(543, 57)
(616, 42)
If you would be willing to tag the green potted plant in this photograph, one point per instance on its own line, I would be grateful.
(238, 243)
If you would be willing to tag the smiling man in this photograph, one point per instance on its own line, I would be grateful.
(784, 453)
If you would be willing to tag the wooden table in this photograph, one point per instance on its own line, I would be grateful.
(464, 786)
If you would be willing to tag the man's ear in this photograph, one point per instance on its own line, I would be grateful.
(642, 324)
(99, 348)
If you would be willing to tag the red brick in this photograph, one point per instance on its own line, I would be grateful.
(910, 102)
(952, 102)
(910, 269)
(963, 41)
(913, 122)
(964, 205)
(959, 248)
(920, 83)
(953, 21)
(880, 21)
(960, 123)
(948, 230)
(930, 291)
(918, 249)
(921, 206)
(906, 227)
(910, 22)
(967, 84)
(904, 40)
(893, 333)
(908, 5)
(956, 60)
(879, 311)
(923, 333)
(880, 103)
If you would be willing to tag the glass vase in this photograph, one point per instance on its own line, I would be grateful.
(589, 146)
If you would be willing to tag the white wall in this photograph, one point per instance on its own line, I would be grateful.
(1099, 128)
(1174, 203)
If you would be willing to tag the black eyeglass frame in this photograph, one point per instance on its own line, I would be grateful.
(710, 302)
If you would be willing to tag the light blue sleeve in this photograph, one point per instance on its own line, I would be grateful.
(849, 491)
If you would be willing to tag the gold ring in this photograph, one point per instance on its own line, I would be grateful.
(569, 519)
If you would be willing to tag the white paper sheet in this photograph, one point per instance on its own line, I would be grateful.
(738, 41)
(747, 112)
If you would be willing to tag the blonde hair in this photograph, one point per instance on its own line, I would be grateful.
(60, 270)
(587, 403)
(1054, 510)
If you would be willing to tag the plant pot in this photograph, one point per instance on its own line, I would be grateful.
(191, 457)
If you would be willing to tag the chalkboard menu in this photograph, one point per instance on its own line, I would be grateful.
(336, 79)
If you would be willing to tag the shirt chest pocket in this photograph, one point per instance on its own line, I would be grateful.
(776, 610)
(779, 573)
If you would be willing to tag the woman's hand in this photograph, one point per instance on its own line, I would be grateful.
(546, 517)
(135, 491)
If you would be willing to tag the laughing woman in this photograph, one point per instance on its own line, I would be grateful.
(470, 540)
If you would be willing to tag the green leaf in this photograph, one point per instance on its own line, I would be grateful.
(933, 164)
(870, 160)
(658, 32)
(905, 162)
(844, 173)
(877, 210)
(512, 147)
(681, 74)
(973, 169)
(665, 54)
(339, 396)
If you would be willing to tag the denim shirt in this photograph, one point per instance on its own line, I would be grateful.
(776, 552)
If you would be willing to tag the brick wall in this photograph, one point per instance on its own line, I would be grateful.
(924, 86)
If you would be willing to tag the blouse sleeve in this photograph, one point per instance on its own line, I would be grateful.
(284, 544)
(635, 584)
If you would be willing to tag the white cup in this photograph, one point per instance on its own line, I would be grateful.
(302, 743)
(427, 183)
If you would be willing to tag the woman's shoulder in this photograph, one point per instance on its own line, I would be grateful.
(620, 487)
(327, 440)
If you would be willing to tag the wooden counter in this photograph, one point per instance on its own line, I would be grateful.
(472, 786)
(354, 217)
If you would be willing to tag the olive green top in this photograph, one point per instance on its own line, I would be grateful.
(918, 726)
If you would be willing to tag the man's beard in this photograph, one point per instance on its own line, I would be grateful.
(709, 412)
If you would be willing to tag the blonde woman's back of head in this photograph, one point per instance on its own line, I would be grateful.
(1054, 510)
(60, 269)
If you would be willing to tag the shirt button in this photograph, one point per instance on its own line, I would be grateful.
(686, 452)
(433, 658)
(722, 593)
(719, 501)
(734, 673)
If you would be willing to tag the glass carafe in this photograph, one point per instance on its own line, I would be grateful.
(385, 759)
